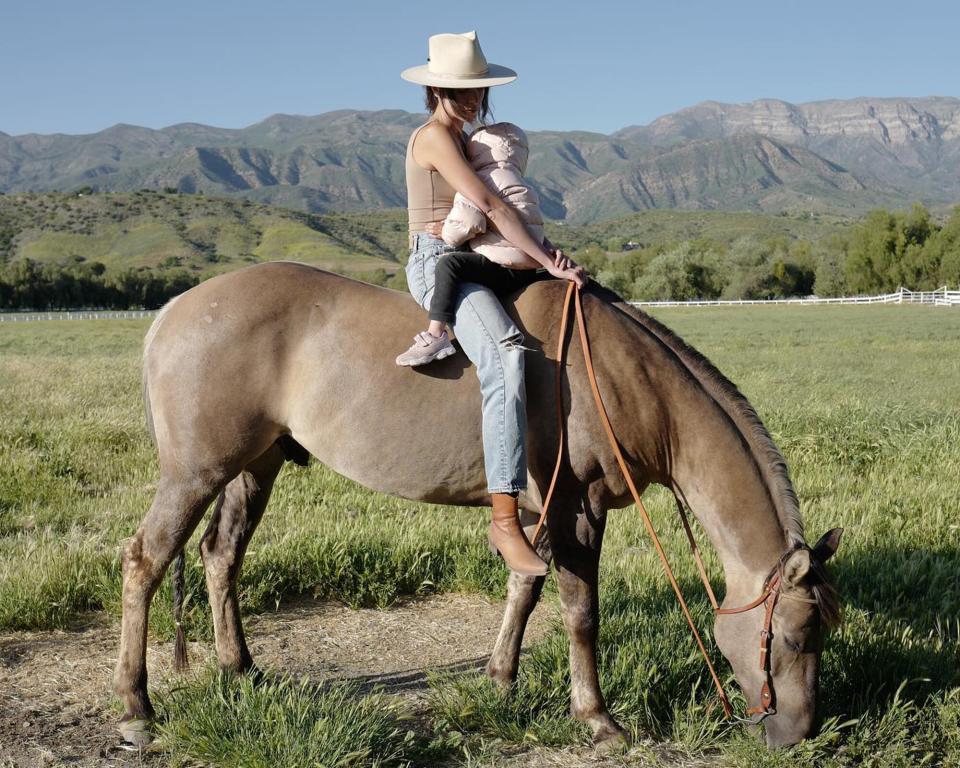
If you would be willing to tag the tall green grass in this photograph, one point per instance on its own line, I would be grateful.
(863, 401)
(262, 723)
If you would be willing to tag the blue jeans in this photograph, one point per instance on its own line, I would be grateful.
(493, 343)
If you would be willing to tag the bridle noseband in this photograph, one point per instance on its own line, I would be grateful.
(773, 586)
(768, 598)
(772, 592)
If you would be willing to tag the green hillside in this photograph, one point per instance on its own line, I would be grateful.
(662, 227)
(203, 235)
(207, 235)
(122, 250)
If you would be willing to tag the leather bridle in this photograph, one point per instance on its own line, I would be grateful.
(772, 588)
(768, 599)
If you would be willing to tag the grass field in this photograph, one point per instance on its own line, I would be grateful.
(863, 401)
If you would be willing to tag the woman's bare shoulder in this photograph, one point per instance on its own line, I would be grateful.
(434, 134)
(433, 141)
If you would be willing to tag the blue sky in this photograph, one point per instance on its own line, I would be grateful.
(72, 67)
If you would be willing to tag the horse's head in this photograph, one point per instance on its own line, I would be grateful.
(804, 606)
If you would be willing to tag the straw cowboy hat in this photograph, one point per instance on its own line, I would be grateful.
(456, 61)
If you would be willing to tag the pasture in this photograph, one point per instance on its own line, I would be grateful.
(863, 401)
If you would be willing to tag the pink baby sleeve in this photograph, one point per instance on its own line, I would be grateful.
(463, 222)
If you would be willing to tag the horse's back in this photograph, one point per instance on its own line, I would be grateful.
(286, 348)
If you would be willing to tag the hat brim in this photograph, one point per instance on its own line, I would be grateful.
(495, 75)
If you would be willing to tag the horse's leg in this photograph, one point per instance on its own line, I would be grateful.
(177, 508)
(523, 594)
(576, 534)
(224, 543)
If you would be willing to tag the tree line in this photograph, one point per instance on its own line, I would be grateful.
(877, 255)
(28, 284)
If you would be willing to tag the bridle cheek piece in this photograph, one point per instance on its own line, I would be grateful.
(768, 598)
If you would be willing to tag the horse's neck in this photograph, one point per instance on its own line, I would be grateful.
(719, 480)
(702, 453)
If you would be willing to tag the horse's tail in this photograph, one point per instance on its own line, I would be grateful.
(180, 662)
(148, 413)
(147, 341)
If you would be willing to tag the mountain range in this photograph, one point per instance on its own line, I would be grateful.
(765, 155)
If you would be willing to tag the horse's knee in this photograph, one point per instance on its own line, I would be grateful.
(139, 571)
(132, 559)
(215, 574)
(580, 614)
(219, 560)
(221, 543)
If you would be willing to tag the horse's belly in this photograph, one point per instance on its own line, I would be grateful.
(406, 432)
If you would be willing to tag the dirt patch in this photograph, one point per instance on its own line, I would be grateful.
(56, 708)
(55, 702)
(392, 648)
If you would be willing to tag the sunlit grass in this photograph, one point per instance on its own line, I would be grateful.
(281, 723)
(864, 402)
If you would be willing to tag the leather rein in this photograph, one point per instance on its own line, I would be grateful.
(772, 588)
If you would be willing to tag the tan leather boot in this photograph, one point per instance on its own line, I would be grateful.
(506, 536)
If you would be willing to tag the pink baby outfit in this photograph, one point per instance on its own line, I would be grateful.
(498, 153)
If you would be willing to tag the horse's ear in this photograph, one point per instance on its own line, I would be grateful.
(824, 549)
(796, 567)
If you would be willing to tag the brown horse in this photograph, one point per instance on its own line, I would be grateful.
(252, 367)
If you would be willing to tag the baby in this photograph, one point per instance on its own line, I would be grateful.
(498, 153)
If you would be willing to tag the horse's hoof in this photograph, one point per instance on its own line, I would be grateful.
(611, 740)
(501, 683)
(136, 731)
(615, 745)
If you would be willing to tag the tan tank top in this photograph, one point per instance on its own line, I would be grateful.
(429, 196)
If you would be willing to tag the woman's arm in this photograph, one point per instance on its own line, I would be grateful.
(436, 147)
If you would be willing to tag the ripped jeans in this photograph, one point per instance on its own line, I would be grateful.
(493, 343)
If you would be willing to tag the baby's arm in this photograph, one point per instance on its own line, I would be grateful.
(438, 148)
(463, 222)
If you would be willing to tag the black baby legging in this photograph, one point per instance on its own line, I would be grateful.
(459, 267)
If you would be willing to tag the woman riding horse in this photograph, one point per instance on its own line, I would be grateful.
(457, 78)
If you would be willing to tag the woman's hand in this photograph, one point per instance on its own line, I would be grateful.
(434, 228)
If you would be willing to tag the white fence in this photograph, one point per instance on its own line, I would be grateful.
(941, 297)
(22, 317)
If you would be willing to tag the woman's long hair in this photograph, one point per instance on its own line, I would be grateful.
(434, 94)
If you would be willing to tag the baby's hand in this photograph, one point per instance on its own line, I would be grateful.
(566, 265)
(574, 274)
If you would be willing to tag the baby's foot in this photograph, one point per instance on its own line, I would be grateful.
(427, 348)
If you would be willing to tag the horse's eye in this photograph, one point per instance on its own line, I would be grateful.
(793, 645)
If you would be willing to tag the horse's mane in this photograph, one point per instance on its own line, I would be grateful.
(772, 465)
(769, 459)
